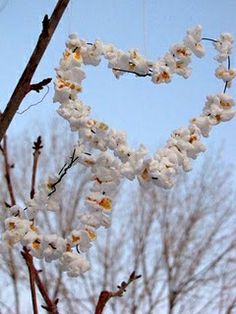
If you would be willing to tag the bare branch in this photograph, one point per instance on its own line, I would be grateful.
(105, 296)
(37, 150)
(39, 86)
(23, 86)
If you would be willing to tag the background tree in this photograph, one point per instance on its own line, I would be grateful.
(181, 241)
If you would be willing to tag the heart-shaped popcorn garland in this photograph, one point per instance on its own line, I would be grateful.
(108, 169)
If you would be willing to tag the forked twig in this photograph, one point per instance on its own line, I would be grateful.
(63, 172)
(105, 296)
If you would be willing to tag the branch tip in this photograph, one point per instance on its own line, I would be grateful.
(39, 86)
(46, 23)
(105, 296)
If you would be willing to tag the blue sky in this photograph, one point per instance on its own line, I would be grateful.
(146, 111)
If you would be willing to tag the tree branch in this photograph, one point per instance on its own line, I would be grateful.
(8, 167)
(105, 296)
(23, 86)
(29, 262)
(13, 269)
(37, 150)
(51, 306)
(39, 86)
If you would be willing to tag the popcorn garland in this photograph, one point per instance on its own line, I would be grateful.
(109, 168)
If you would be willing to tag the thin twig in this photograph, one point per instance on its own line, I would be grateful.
(51, 306)
(105, 296)
(210, 39)
(8, 168)
(34, 104)
(228, 66)
(39, 86)
(24, 84)
(37, 150)
(13, 269)
(63, 172)
(132, 72)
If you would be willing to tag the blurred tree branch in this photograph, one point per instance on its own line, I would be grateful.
(8, 168)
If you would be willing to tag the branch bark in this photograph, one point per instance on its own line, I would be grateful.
(23, 86)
